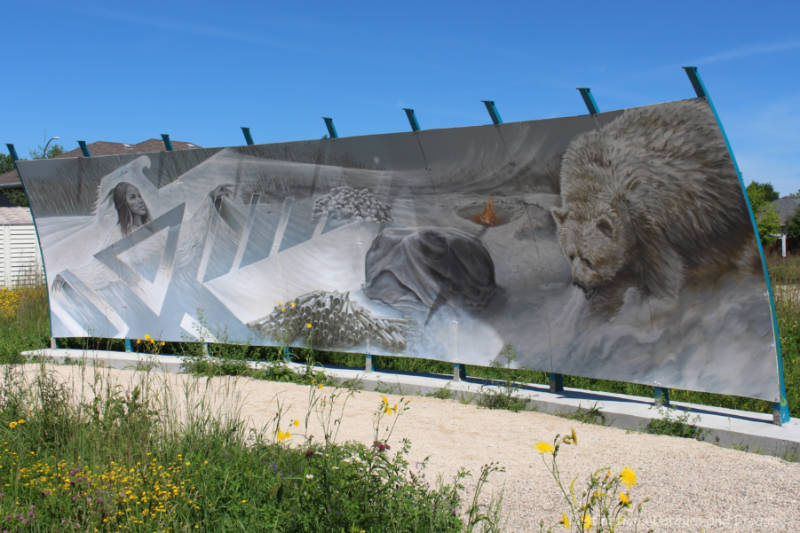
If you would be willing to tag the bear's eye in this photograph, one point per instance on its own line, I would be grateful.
(605, 227)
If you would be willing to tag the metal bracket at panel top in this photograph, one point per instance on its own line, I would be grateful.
(412, 119)
(331, 128)
(493, 113)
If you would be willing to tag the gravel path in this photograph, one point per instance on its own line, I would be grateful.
(692, 485)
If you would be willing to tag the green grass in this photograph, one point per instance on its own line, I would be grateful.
(123, 461)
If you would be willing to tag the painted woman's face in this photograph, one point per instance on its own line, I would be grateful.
(135, 201)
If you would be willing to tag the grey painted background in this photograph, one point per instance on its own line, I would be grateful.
(377, 242)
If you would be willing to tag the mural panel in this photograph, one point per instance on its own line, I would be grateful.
(617, 246)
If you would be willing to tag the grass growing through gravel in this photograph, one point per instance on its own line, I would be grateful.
(124, 460)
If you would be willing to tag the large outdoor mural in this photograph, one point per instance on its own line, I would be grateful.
(616, 246)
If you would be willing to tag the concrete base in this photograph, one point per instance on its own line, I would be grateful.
(727, 427)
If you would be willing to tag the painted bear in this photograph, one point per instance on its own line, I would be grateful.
(652, 200)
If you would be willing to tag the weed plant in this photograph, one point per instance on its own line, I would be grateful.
(123, 460)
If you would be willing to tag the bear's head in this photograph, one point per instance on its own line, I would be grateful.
(597, 239)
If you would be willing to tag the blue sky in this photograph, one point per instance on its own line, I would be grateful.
(129, 71)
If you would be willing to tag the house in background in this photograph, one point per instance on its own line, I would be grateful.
(786, 207)
(20, 257)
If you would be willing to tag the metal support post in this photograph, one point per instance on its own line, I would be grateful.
(661, 396)
(167, 142)
(12, 152)
(128, 345)
(493, 113)
(368, 363)
(588, 99)
(412, 119)
(84, 149)
(459, 372)
(331, 128)
(556, 382)
(247, 137)
(287, 355)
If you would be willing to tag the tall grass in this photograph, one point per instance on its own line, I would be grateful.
(140, 458)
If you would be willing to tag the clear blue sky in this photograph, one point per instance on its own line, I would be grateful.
(128, 71)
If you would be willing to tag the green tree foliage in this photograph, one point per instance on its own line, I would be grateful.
(768, 219)
(762, 192)
(793, 226)
(6, 164)
(53, 150)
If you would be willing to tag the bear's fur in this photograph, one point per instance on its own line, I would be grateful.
(652, 200)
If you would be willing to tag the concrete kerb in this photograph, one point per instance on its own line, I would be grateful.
(727, 427)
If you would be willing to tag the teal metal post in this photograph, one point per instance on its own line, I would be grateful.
(128, 345)
(331, 128)
(12, 152)
(368, 362)
(247, 138)
(459, 372)
(287, 355)
(412, 119)
(588, 99)
(493, 113)
(661, 396)
(780, 409)
(556, 382)
(167, 142)
(84, 149)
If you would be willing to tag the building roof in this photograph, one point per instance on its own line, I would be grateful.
(15, 216)
(786, 207)
(11, 179)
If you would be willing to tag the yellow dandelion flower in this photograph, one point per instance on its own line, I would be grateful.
(295, 423)
(624, 499)
(147, 336)
(564, 520)
(587, 521)
(283, 309)
(544, 447)
(244, 501)
(308, 326)
(394, 408)
(163, 343)
(384, 399)
(320, 386)
(387, 410)
(292, 304)
(138, 341)
(279, 303)
(12, 425)
(628, 477)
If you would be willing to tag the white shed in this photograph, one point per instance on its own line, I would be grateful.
(20, 259)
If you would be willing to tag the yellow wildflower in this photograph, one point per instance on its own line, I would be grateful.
(283, 435)
(292, 304)
(564, 520)
(308, 326)
(279, 303)
(12, 425)
(320, 386)
(625, 499)
(283, 309)
(384, 399)
(295, 423)
(587, 521)
(147, 336)
(574, 436)
(628, 477)
(394, 408)
(544, 447)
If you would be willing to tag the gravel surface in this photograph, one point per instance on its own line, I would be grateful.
(692, 485)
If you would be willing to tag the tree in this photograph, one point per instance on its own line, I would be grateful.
(768, 219)
(793, 226)
(52, 151)
(762, 191)
(6, 164)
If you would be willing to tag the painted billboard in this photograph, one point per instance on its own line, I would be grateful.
(616, 246)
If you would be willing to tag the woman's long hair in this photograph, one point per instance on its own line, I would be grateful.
(125, 216)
